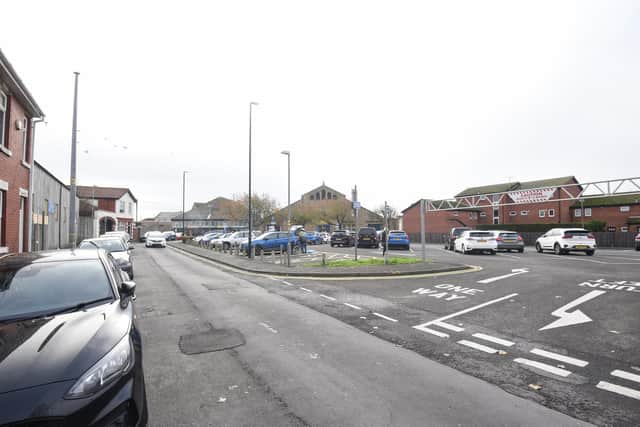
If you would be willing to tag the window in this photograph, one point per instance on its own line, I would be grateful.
(587, 211)
(312, 197)
(328, 194)
(25, 141)
(611, 229)
(624, 208)
(541, 213)
(483, 214)
(3, 114)
(455, 214)
(2, 196)
(496, 220)
(524, 213)
(130, 208)
(335, 197)
(552, 213)
(624, 229)
(496, 215)
(121, 206)
(577, 213)
(513, 213)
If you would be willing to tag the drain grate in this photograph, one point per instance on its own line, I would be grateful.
(211, 340)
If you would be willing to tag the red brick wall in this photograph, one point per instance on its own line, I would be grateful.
(612, 216)
(107, 205)
(17, 175)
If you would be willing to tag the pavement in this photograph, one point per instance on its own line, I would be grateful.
(316, 353)
(274, 264)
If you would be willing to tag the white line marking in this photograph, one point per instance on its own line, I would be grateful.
(510, 256)
(625, 391)
(327, 297)
(494, 339)
(352, 306)
(287, 283)
(626, 375)
(453, 328)
(574, 317)
(477, 346)
(268, 327)
(576, 259)
(560, 357)
(305, 289)
(384, 317)
(431, 331)
(514, 272)
(544, 367)
(273, 278)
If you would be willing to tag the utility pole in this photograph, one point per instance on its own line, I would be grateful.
(288, 154)
(422, 230)
(251, 104)
(356, 208)
(386, 231)
(184, 174)
(73, 222)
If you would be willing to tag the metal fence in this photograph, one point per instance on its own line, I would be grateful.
(604, 239)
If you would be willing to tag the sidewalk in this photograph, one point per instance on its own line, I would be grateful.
(256, 266)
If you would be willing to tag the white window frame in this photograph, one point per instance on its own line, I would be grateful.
(513, 213)
(25, 141)
(541, 213)
(624, 229)
(483, 214)
(524, 213)
(587, 211)
(121, 207)
(3, 108)
(577, 213)
(551, 213)
(624, 208)
(455, 213)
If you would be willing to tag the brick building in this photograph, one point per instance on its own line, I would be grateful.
(105, 209)
(18, 114)
(621, 213)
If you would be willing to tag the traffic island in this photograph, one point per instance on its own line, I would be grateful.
(364, 267)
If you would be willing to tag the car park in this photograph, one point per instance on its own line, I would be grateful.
(216, 240)
(454, 233)
(565, 240)
(367, 237)
(114, 246)
(637, 242)
(508, 241)
(71, 348)
(313, 238)
(398, 239)
(326, 237)
(341, 238)
(476, 241)
(272, 241)
(231, 240)
(155, 238)
(207, 238)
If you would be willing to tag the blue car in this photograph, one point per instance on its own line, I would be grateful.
(271, 241)
(313, 238)
(398, 239)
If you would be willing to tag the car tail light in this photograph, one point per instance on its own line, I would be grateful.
(519, 238)
(498, 239)
(567, 236)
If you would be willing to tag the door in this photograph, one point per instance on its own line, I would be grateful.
(21, 225)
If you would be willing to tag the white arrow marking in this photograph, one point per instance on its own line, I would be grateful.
(574, 317)
(514, 272)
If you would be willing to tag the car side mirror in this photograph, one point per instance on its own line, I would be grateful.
(128, 288)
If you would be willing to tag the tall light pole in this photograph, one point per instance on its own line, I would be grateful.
(251, 104)
(288, 154)
(73, 223)
(184, 174)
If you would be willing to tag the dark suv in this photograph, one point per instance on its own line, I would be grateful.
(449, 239)
(342, 238)
(367, 236)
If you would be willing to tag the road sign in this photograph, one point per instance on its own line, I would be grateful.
(356, 205)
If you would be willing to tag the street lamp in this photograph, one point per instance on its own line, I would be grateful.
(582, 212)
(251, 104)
(184, 173)
(288, 154)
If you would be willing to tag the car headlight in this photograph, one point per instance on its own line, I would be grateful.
(113, 365)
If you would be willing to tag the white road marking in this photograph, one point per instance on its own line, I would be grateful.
(576, 259)
(477, 346)
(327, 297)
(625, 391)
(560, 357)
(514, 272)
(273, 278)
(626, 375)
(436, 333)
(494, 339)
(384, 317)
(268, 327)
(352, 306)
(543, 366)
(453, 328)
(287, 283)
(575, 317)
(305, 289)
(510, 256)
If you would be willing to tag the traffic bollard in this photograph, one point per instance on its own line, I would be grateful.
(324, 260)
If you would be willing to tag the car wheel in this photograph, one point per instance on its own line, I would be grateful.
(591, 252)
(538, 248)
(557, 250)
(521, 250)
(226, 246)
(492, 252)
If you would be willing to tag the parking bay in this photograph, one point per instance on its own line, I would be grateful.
(567, 322)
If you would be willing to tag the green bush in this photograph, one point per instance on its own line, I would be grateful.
(596, 225)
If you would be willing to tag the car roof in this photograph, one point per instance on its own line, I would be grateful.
(65, 255)
(102, 238)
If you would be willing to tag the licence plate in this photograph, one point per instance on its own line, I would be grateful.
(509, 241)
(581, 247)
(482, 241)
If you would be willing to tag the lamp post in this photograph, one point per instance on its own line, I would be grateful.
(288, 154)
(73, 217)
(251, 104)
(582, 212)
(184, 174)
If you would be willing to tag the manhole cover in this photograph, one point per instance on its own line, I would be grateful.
(211, 340)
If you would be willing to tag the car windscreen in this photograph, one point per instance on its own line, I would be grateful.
(576, 233)
(458, 232)
(367, 231)
(509, 235)
(111, 245)
(42, 288)
(339, 233)
(398, 234)
(156, 235)
(480, 234)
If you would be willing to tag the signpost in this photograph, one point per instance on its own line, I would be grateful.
(356, 208)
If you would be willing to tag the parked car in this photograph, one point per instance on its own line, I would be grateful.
(508, 241)
(169, 235)
(341, 238)
(122, 234)
(314, 238)
(476, 241)
(326, 237)
(450, 239)
(143, 237)
(155, 238)
(272, 241)
(207, 238)
(217, 240)
(114, 246)
(367, 237)
(71, 348)
(638, 242)
(233, 239)
(565, 240)
(399, 239)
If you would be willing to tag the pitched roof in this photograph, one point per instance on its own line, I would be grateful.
(11, 78)
(326, 187)
(551, 182)
(94, 192)
(165, 216)
(620, 200)
(512, 186)
(488, 189)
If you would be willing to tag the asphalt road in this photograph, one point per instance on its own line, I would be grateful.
(309, 359)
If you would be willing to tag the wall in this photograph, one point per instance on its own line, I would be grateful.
(50, 226)
(612, 216)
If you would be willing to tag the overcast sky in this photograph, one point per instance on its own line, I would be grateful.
(403, 99)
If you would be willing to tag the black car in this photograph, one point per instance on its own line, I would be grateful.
(341, 238)
(367, 236)
(70, 352)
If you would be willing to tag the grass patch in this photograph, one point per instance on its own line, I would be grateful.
(365, 262)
